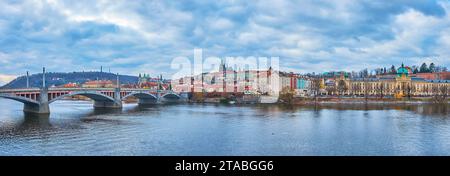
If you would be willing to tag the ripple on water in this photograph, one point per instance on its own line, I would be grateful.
(74, 128)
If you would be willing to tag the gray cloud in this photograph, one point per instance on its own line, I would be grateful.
(144, 36)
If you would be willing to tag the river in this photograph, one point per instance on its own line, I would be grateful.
(75, 128)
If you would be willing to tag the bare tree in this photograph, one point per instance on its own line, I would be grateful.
(379, 89)
(413, 89)
(444, 91)
(331, 89)
(351, 89)
(287, 95)
(435, 93)
(367, 88)
(428, 90)
(315, 87)
(341, 88)
(408, 91)
(354, 88)
(440, 93)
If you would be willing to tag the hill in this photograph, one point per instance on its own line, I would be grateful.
(58, 79)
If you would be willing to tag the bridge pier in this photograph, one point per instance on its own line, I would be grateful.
(108, 104)
(42, 107)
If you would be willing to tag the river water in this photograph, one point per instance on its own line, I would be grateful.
(75, 128)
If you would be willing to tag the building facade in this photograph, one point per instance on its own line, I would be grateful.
(402, 84)
(270, 82)
(98, 84)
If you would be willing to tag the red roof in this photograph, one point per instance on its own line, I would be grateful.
(434, 76)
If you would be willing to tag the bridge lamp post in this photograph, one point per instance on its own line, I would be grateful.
(118, 81)
(43, 77)
(28, 80)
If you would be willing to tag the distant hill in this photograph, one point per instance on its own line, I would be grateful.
(58, 79)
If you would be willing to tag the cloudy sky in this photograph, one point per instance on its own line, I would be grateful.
(132, 37)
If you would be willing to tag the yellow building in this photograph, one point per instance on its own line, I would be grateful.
(98, 84)
(398, 86)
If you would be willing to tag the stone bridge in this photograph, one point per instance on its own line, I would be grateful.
(37, 100)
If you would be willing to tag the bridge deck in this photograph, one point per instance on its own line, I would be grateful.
(82, 89)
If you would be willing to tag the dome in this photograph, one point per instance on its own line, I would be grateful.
(402, 70)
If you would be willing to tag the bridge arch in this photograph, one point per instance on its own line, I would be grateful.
(21, 99)
(140, 95)
(143, 97)
(92, 95)
(171, 95)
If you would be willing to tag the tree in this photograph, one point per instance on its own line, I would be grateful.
(160, 87)
(438, 69)
(423, 68)
(444, 91)
(380, 88)
(287, 95)
(364, 73)
(435, 92)
(330, 89)
(367, 88)
(198, 97)
(393, 70)
(428, 89)
(440, 93)
(342, 87)
(432, 68)
(416, 70)
(379, 71)
(413, 88)
(408, 89)
(315, 87)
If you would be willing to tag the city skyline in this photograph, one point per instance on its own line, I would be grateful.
(144, 37)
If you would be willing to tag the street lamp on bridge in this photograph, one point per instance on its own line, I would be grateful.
(43, 77)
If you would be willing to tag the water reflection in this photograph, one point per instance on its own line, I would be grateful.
(42, 121)
(104, 111)
(99, 115)
(423, 109)
(25, 124)
(35, 121)
(75, 128)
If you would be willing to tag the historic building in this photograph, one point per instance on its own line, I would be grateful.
(227, 80)
(300, 85)
(269, 82)
(147, 82)
(402, 84)
(98, 84)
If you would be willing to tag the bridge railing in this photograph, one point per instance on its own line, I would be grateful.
(82, 89)
(20, 90)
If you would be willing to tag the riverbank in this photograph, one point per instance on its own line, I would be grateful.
(335, 100)
(304, 100)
